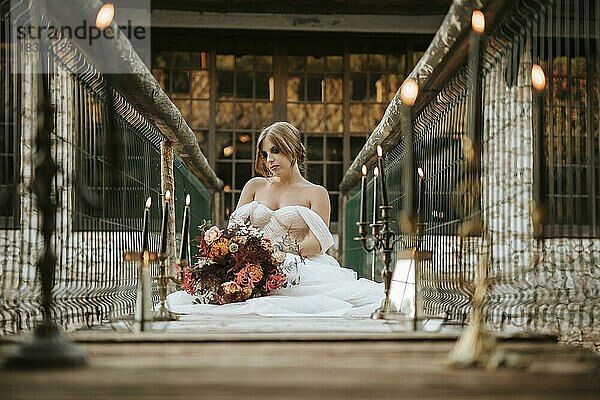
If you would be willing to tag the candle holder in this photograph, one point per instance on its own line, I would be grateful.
(163, 314)
(384, 241)
(143, 306)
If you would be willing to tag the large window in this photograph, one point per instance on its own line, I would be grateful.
(567, 49)
(334, 89)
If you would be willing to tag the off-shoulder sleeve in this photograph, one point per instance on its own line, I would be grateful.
(241, 213)
(317, 226)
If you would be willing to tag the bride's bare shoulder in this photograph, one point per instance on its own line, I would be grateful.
(315, 190)
(251, 188)
(257, 182)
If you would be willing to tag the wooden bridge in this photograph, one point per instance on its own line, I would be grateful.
(301, 358)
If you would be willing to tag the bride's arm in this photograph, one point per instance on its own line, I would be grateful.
(311, 245)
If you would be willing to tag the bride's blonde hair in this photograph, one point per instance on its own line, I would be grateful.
(287, 139)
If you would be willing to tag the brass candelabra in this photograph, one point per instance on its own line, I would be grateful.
(162, 280)
(384, 241)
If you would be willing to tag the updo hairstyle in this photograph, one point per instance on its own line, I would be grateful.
(286, 137)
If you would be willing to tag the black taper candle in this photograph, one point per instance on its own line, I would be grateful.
(145, 228)
(165, 222)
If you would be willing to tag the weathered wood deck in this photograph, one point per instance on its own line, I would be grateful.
(306, 358)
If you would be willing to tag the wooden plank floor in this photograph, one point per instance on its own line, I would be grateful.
(326, 369)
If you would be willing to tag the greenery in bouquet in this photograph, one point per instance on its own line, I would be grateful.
(234, 264)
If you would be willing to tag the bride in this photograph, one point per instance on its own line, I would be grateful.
(283, 203)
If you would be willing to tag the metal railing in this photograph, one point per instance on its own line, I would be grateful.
(108, 152)
(537, 185)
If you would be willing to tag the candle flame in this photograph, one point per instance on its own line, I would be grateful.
(364, 170)
(478, 21)
(105, 16)
(376, 171)
(148, 202)
(187, 200)
(538, 78)
(420, 172)
(167, 195)
(409, 92)
(379, 151)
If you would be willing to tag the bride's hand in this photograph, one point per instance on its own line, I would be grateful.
(309, 246)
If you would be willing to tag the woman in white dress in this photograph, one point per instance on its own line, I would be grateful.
(289, 208)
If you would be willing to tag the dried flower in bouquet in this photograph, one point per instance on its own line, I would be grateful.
(234, 264)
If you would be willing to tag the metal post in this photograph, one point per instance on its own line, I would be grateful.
(48, 348)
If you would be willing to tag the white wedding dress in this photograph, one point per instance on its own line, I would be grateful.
(323, 287)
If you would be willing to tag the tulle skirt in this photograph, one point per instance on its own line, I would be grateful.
(323, 288)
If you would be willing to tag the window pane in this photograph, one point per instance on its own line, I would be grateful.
(243, 146)
(358, 87)
(263, 63)
(225, 63)
(356, 144)
(296, 63)
(314, 148)
(314, 64)
(358, 62)
(377, 88)
(162, 59)
(334, 176)
(224, 172)
(244, 63)
(334, 64)
(224, 145)
(394, 81)
(295, 88)
(224, 117)
(335, 149)
(263, 89)
(334, 89)
(200, 84)
(228, 203)
(296, 114)
(243, 173)
(180, 59)
(200, 110)
(314, 87)
(376, 62)
(244, 113)
(243, 85)
(334, 199)
(396, 63)
(314, 115)
(263, 115)
(358, 118)
(314, 173)
(181, 82)
(225, 85)
(335, 118)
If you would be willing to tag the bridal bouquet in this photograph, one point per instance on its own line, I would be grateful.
(234, 264)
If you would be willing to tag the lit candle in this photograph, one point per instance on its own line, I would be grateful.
(145, 224)
(420, 193)
(183, 251)
(538, 81)
(477, 31)
(375, 205)
(363, 195)
(384, 196)
(165, 222)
